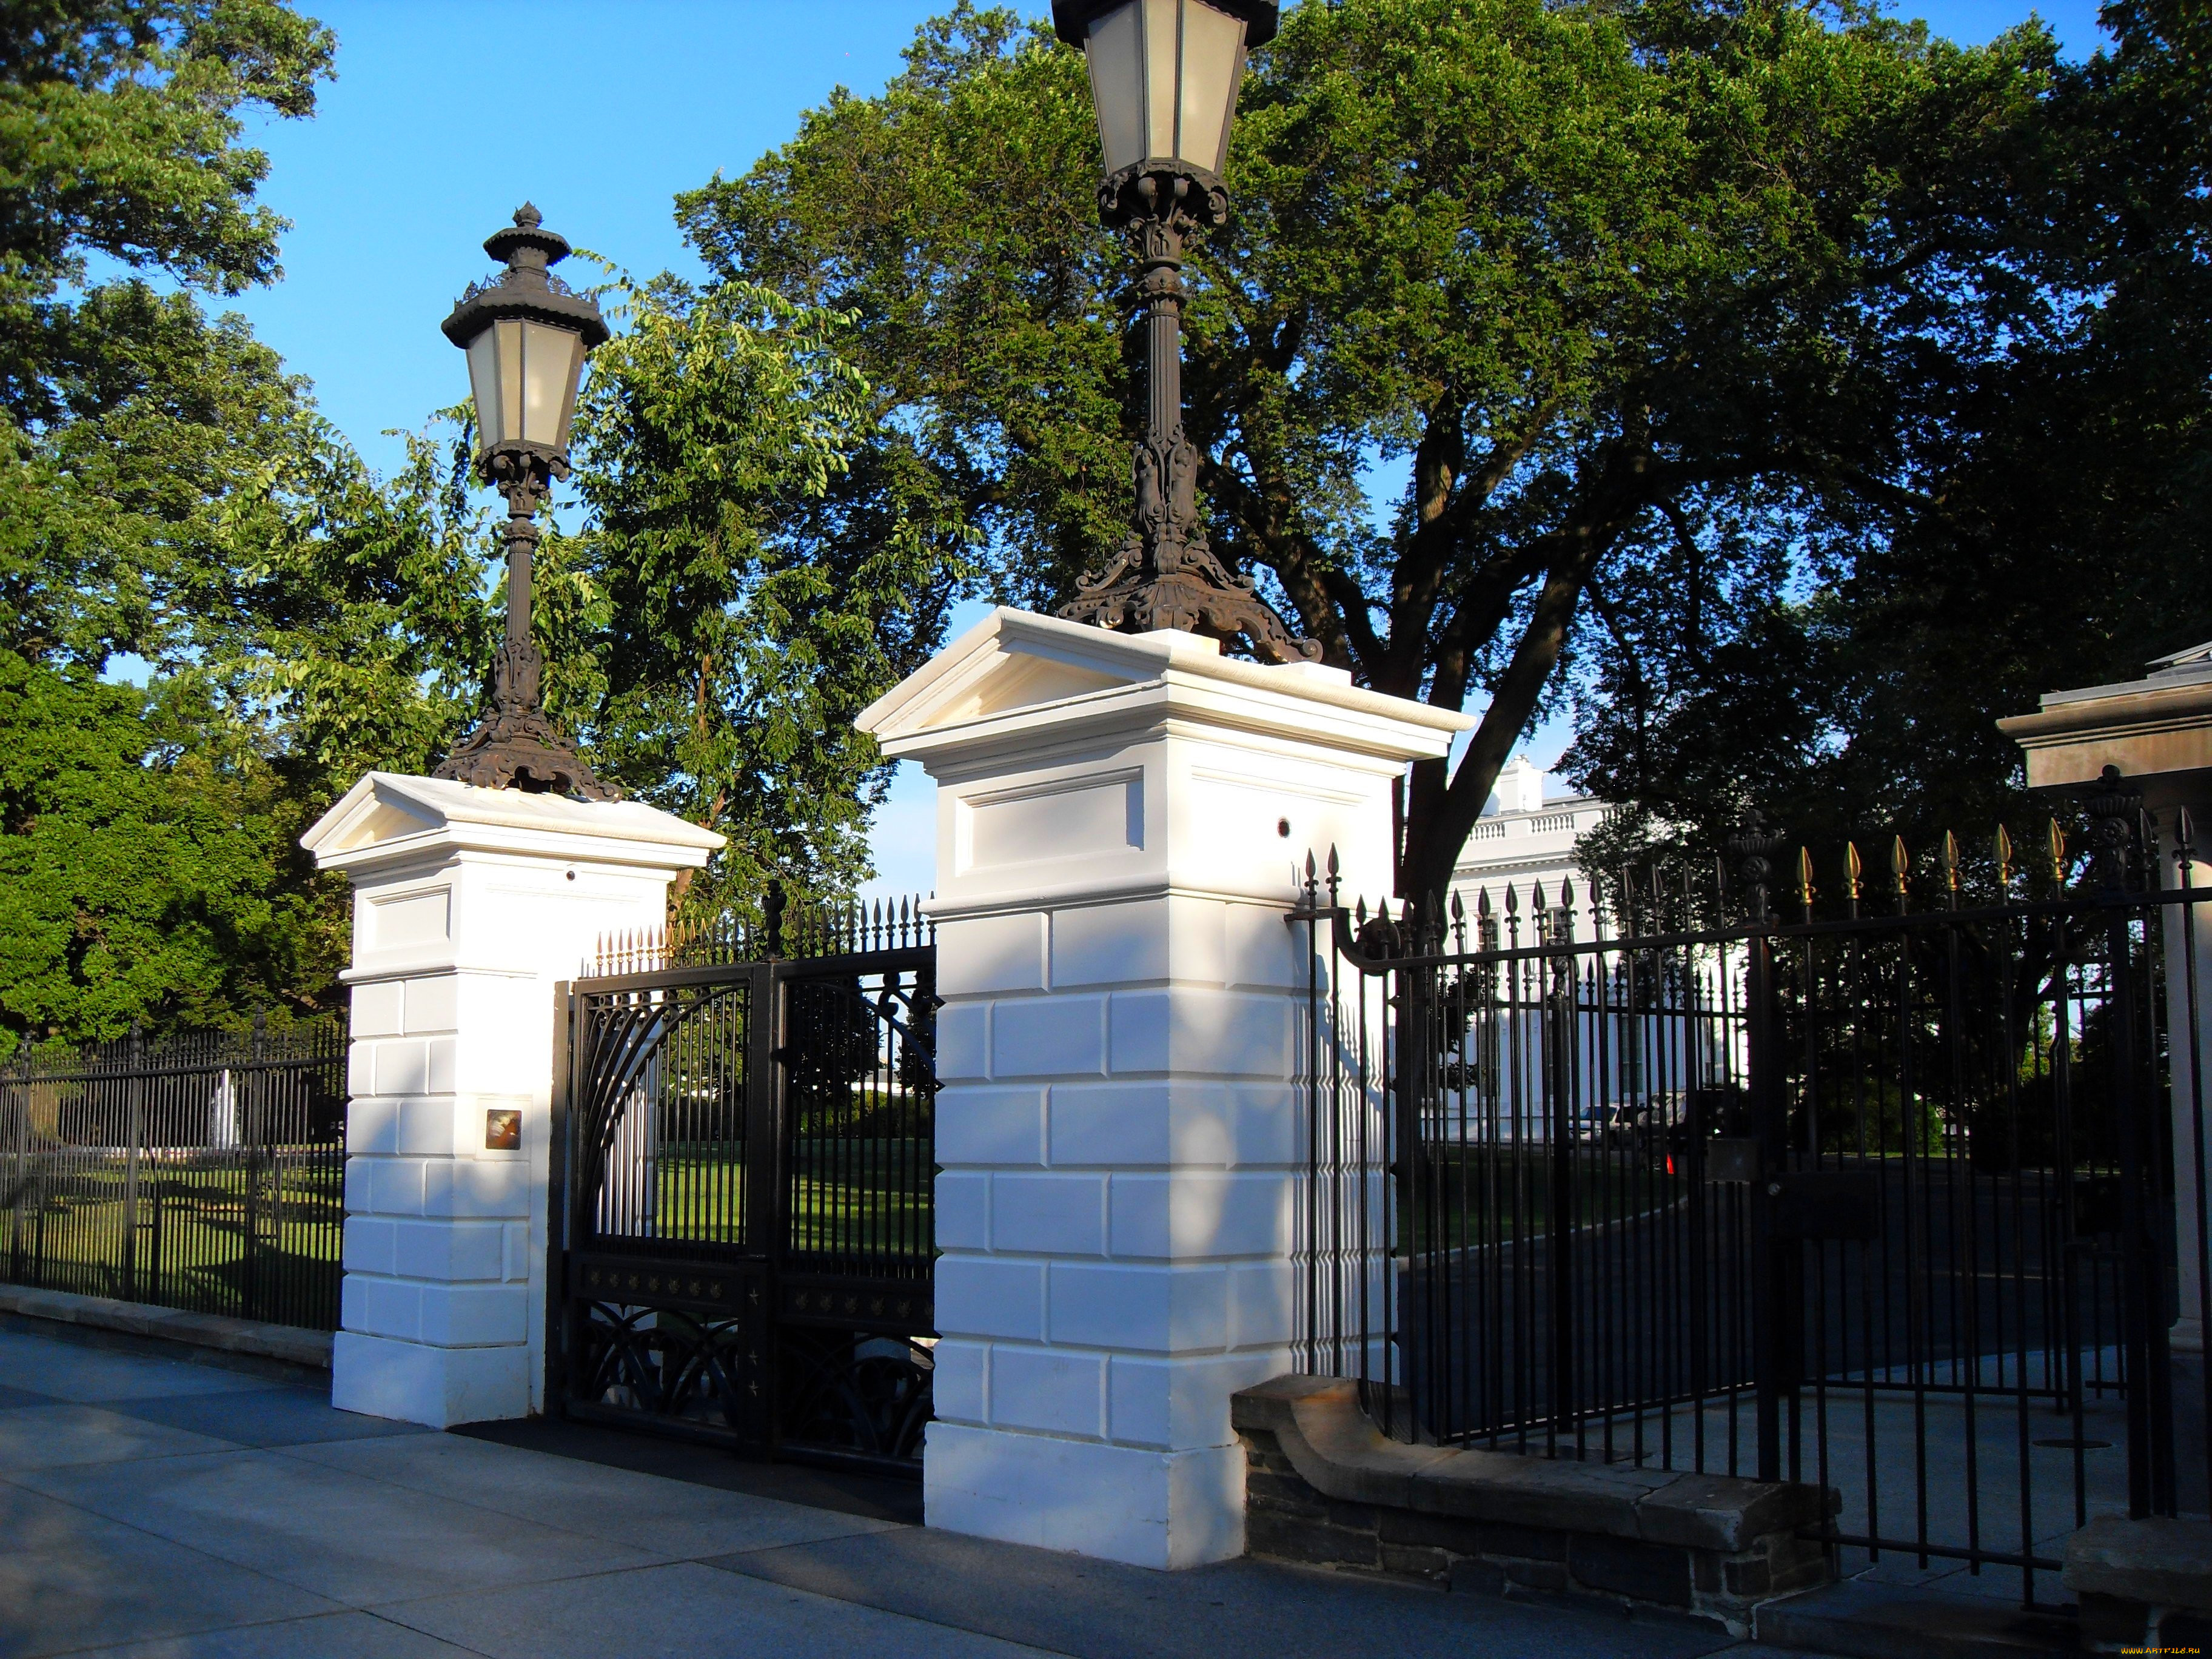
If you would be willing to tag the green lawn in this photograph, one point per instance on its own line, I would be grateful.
(847, 1193)
(210, 1237)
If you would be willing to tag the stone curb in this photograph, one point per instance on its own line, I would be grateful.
(287, 1343)
(2144, 1584)
(2164, 1562)
(1339, 1452)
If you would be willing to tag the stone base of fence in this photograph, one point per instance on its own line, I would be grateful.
(287, 1343)
(2142, 1585)
(1326, 1488)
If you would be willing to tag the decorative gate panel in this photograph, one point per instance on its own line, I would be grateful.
(744, 1241)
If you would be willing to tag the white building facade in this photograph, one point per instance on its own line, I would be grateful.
(1526, 842)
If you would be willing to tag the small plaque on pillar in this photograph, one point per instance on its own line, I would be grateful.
(502, 1130)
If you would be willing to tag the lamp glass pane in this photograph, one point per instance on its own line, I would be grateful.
(549, 372)
(1212, 49)
(484, 385)
(1160, 42)
(509, 333)
(1114, 53)
(576, 354)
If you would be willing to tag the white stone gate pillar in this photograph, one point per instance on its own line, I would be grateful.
(469, 906)
(2158, 730)
(1121, 821)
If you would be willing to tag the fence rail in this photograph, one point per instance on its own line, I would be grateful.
(204, 1171)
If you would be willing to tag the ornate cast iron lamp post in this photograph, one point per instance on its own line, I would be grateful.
(527, 335)
(1164, 76)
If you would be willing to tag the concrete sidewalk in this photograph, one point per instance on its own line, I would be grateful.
(155, 1507)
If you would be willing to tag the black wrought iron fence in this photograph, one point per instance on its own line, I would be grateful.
(205, 1172)
(1886, 1195)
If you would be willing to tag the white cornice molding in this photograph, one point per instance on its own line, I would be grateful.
(1016, 676)
(389, 817)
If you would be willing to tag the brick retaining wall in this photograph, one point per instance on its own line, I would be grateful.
(1323, 1486)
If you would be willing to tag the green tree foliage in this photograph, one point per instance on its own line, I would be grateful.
(119, 122)
(754, 564)
(1572, 272)
(2042, 523)
(345, 624)
(142, 855)
(741, 588)
(139, 872)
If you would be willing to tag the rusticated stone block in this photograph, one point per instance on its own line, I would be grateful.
(1501, 1521)
(1262, 1451)
(1747, 1577)
(1289, 1538)
(1445, 1532)
(1285, 1492)
(1529, 1543)
(1358, 1517)
(2159, 1562)
(1642, 1573)
(1416, 1561)
(1795, 1564)
(1723, 1512)
(1537, 1575)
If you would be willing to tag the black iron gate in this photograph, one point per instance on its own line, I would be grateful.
(1881, 1196)
(744, 1244)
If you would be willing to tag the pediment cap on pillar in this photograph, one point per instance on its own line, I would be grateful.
(2157, 730)
(390, 817)
(1017, 677)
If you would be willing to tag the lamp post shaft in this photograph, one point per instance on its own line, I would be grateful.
(517, 746)
(1163, 290)
(521, 545)
(1166, 575)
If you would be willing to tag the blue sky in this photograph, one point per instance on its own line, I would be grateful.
(444, 117)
